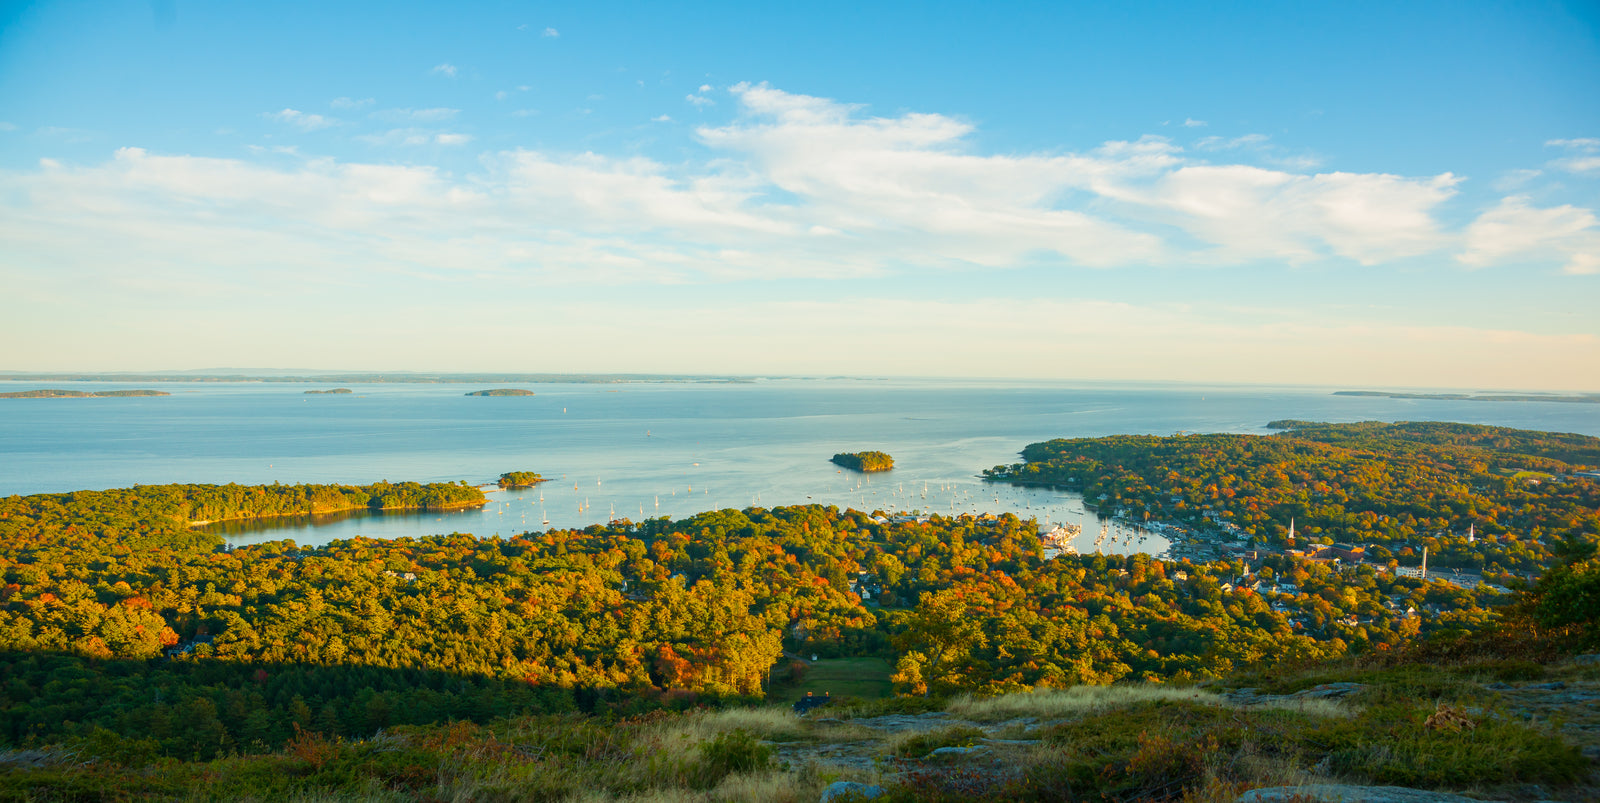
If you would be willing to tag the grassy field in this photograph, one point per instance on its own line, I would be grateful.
(867, 678)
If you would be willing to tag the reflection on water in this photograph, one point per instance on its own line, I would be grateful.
(573, 504)
(312, 527)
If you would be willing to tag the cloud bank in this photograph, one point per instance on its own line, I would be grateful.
(793, 185)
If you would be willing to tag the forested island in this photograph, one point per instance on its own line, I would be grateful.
(334, 390)
(502, 392)
(520, 479)
(161, 661)
(79, 394)
(864, 461)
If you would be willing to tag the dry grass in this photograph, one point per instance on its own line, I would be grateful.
(762, 787)
(1311, 706)
(771, 724)
(1080, 701)
(1076, 701)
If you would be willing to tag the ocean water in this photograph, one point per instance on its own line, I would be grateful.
(641, 450)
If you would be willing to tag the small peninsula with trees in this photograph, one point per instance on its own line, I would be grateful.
(324, 392)
(864, 461)
(52, 393)
(520, 479)
(502, 392)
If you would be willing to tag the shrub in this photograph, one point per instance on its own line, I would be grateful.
(736, 751)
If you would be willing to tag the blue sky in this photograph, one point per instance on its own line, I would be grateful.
(1351, 194)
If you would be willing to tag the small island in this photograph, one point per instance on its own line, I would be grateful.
(864, 461)
(335, 390)
(520, 479)
(79, 394)
(502, 392)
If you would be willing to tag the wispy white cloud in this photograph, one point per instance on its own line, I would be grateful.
(700, 101)
(1516, 230)
(1514, 180)
(1190, 122)
(398, 136)
(525, 113)
(661, 118)
(5, 126)
(550, 33)
(452, 139)
(1225, 143)
(447, 69)
(302, 120)
(418, 115)
(1583, 158)
(348, 104)
(64, 133)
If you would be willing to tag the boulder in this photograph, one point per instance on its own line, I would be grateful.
(1340, 793)
(850, 790)
(946, 753)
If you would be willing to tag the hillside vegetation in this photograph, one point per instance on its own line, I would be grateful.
(143, 656)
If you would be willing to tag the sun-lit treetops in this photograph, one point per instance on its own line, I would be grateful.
(1477, 497)
(260, 639)
(520, 479)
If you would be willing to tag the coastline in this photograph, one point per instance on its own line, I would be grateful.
(350, 509)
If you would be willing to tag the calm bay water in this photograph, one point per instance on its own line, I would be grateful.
(647, 449)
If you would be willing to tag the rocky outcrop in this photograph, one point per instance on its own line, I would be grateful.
(1325, 691)
(843, 791)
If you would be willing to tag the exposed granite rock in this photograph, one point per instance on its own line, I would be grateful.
(850, 790)
(894, 723)
(1325, 691)
(947, 753)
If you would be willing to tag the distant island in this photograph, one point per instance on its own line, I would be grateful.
(79, 394)
(502, 392)
(520, 479)
(335, 390)
(864, 461)
(1575, 398)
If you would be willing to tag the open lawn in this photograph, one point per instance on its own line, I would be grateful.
(867, 678)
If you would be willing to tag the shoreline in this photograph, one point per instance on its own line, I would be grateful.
(334, 511)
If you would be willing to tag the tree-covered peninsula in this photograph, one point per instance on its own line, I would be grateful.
(1501, 501)
(864, 461)
(335, 391)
